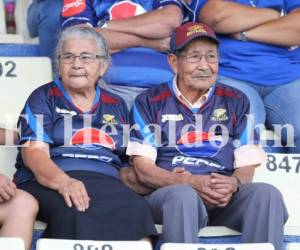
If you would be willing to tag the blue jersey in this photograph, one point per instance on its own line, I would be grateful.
(260, 63)
(203, 141)
(139, 67)
(91, 141)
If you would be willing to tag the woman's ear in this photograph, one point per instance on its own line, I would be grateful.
(103, 68)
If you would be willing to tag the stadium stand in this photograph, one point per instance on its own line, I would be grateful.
(19, 76)
(178, 246)
(50, 244)
(11, 244)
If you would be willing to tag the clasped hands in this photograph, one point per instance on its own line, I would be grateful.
(215, 189)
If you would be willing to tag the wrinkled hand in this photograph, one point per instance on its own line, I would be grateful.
(181, 170)
(74, 193)
(129, 178)
(224, 185)
(7, 189)
(203, 185)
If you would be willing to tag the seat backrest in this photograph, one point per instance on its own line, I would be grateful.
(19, 76)
(184, 246)
(293, 246)
(50, 244)
(12, 243)
(21, 16)
(2, 18)
(282, 171)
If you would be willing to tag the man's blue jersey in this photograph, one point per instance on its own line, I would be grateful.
(260, 63)
(95, 12)
(203, 140)
(139, 66)
(91, 141)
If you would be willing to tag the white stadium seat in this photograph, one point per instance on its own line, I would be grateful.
(283, 171)
(11, 244)
(51, 244)
(293, 246)
(19, 76)
(181, 246)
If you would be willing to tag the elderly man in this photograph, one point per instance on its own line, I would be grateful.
(192, 148)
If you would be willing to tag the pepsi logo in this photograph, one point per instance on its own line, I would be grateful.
(92, 138)
(125, 9)
(199, 144)
(73, 7)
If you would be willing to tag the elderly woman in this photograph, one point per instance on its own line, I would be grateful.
(72, 138)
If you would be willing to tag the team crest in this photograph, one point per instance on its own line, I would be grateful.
(219, 115)
(109, 119)
(197, 28)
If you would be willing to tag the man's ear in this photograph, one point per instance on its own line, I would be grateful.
(173, 61)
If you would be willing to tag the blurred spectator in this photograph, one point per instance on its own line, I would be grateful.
(259, 55)
(146, 24)
(72, 168)
(10, 6)
(43, 20)
(17, 208)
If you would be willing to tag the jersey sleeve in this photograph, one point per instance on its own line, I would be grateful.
(143, 133)
(77, 12)
(157, 4)
(35, 121)
(248, 150)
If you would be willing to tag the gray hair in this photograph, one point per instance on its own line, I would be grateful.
(83, 32)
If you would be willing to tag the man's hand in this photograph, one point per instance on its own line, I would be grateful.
(74, 192)
(129, 178)
(225, 185)
(203, 185)
(7, 189)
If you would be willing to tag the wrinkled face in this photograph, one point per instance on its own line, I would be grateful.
(80, 74)
(197, 65)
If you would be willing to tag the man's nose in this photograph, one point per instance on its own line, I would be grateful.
(203, 63)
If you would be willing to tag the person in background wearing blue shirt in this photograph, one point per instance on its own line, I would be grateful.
(43, 20)
(138, 30)
(261, 57)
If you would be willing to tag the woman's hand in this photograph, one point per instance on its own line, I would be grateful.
(7, 188)
(74, 193)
